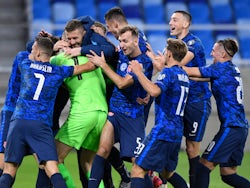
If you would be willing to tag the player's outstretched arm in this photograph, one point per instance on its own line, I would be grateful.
(120, 82)
(78, 69)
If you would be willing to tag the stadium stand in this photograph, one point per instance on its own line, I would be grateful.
(129, 10)
(149, 14)
(62, 12)
(241, 8)
(217, 8)
(86, 7)
(158, 12)
(41, 10)
(195, 10)
(157, 41)
(102, 8)
(41, 17)
(170, 7)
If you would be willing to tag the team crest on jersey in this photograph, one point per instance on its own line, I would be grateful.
(123, 66)
(190, 42)
(93, 42)
(161, 76)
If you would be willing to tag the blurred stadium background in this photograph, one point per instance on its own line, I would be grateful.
(212, 20)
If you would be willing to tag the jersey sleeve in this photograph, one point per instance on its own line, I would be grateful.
(162, 80)
(98, 44)
(211, 71)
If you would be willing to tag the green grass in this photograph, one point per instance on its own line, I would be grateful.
(27, 173)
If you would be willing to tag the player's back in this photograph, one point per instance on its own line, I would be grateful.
(170, 104)
(39, 86)
(227, 88)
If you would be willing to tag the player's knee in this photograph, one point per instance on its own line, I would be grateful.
(103, 151)
(192, 150)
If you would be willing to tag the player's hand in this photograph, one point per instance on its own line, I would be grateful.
(159, 62)
(43, 33)
(61, 45)
(135, 67)
(150, 52)
(143, 101)
(73, 52)
(97, 60)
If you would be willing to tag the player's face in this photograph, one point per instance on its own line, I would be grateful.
(217, 53)
(113, 28)
(177, 24)
(75, 37)
(128, 43)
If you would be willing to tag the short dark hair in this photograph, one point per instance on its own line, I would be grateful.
(185, 14)
(230, 46)
(133, 29)
(73, 24)
(115, 13)
(178, 48)
(54, 39)
(45, 44)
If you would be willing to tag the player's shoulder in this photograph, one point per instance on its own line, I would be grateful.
(144, 58)
(22, 54)
(192, 40)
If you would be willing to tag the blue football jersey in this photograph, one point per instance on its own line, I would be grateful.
(124, 100)
(39, 86)
(227, 89)
(170, 104)
(142, 42)
(14, 82)
(199, 91)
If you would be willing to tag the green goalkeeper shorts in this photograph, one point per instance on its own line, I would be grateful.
(82, 130)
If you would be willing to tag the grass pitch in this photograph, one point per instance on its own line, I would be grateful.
(27, 173)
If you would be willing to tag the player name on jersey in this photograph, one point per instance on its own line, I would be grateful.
(43, 68)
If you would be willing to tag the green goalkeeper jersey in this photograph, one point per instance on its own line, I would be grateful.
(88, 90)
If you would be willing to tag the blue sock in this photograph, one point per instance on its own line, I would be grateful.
(192, 170)
(42, 179)
(116, 161)
(83, 178)
(235, 180)
(58, 181)
(177, 181)
(164, 180)
(137, 182)
(107, 177)
(148, 181)
(6, 181)
(202, 176)
(97, 172)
